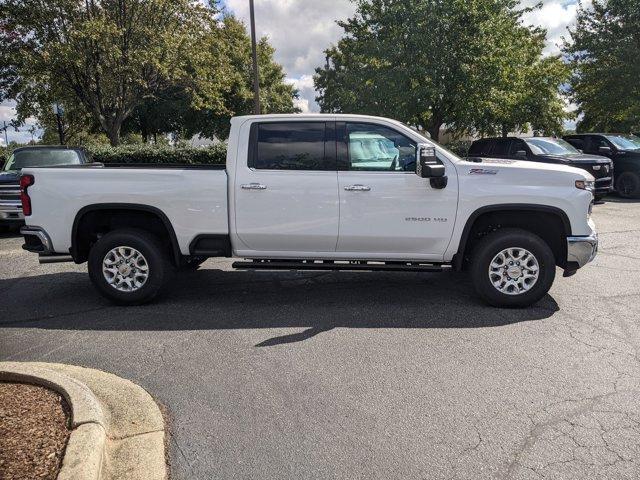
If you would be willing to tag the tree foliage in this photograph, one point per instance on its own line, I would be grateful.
(604, 50)
(151, 65)
(472, 65)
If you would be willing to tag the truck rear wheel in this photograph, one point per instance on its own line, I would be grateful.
(512, 268)
(129, 266)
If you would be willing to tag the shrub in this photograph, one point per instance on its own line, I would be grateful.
(161, 154)
(459, 147)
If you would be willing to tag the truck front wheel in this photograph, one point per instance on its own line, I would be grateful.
(129, 266)
(512, 268)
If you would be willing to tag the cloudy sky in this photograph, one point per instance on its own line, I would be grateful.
(300, 30)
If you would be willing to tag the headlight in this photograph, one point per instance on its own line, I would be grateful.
(585, 185)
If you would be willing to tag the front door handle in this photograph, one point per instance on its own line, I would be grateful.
(357, 188)
(253, 186)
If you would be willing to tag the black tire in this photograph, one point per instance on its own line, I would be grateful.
(160, 268)
(494, 243)
(628, 185)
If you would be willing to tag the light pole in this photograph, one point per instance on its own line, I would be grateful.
(6, 138)
(254, 53)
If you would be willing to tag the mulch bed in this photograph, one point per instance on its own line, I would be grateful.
(34, 430)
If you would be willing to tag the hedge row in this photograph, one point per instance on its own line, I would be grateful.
(213, 155)
(459, 147)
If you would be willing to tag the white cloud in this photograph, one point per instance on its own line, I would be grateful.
(7, 114)
(300, 31)
(554, 16)
(307, 93)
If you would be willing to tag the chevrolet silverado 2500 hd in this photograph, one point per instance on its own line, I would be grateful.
(310, 192)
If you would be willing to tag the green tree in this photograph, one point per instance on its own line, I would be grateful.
(187, 105)
(604, 51)
(276, 95)
(109, 55)
(464, 64)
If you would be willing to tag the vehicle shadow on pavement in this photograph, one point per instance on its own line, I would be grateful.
(214, 299)
(620, 200)
(9, 233)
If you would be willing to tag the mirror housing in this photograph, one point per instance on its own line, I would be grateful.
(605, 150)
(521, 154)
(427, 164)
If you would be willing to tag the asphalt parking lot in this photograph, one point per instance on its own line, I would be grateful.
(362, 375)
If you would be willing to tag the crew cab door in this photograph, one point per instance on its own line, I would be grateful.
(286, 194)
(386, 210)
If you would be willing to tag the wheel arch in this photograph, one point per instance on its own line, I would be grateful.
(79, 250)
(508, 213)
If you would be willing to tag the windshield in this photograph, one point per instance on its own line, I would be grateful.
(553, 146)
(624, 142)
(41, 157)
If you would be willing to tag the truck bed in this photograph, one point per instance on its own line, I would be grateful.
(193, 198)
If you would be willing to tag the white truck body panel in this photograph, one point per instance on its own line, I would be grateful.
(194, 201)
(310, 215)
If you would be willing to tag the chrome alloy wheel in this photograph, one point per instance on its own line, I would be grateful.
(125, 269)
(514, 271)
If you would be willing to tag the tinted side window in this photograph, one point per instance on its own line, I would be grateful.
(576, 142)
(501, 147)
(479, 147)
(517, 146)
(597, 142)
(290, 146)
(379, 149)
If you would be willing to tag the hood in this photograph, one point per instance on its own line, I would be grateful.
(577, 158)
(630, 154)
(551, 171)
(9, 178)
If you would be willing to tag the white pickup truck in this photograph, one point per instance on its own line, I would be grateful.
(317, 192)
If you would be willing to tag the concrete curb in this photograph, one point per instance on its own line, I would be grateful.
(118, 429)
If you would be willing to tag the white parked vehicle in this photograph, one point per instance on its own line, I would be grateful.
(311, 192)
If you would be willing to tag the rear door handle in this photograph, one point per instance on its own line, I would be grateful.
(357, 188)
(253, 186)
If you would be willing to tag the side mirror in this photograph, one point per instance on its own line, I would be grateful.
(605, 150)
(427, 164)
(521, 154)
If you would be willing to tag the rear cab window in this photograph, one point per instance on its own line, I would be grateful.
(292, 146)
(41, 157)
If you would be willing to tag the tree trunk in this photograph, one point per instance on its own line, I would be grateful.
(114, 135)
(505, 130)
(434, 130)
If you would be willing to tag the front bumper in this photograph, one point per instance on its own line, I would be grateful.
(580, 251)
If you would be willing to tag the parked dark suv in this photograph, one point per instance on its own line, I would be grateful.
(548, 150)
(33, 156)
(624, 150)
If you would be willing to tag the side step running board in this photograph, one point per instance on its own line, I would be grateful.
(340, 265)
